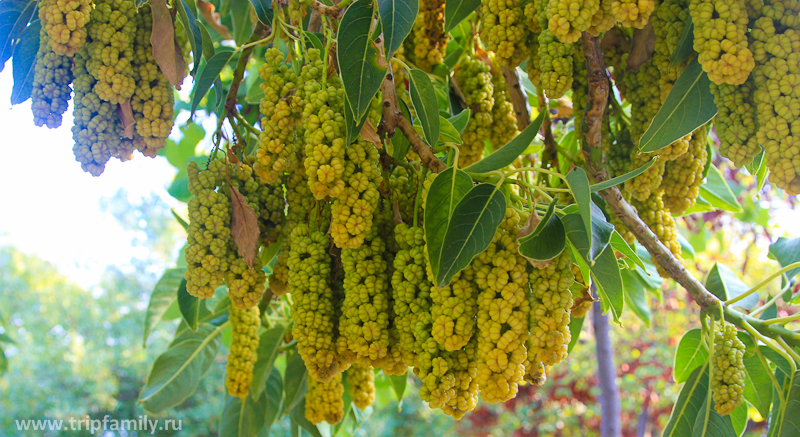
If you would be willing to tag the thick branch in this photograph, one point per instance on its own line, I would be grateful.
(393, 119)
(598, 97)
(518, 98)
(550, 152)
(330, 11)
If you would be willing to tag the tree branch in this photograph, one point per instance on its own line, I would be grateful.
(238, 73)
(330, 11)
(393, 119)
(518, 98)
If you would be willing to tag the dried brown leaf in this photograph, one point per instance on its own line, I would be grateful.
(213, 18)
(125, 114)
(644, 42)
(397, 217)
(244, 227)
(166, 51)
(369, 133)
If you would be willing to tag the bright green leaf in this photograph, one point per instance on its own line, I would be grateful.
(263, 11)
(717, 192)
(445, 192)
(690, 354)
(242, 21)
(622, 178)
(608, 279)
(620, 245)
(399, 383)
(193, 32)
(455, 11)
(578, 184)
(459, 121)
(575, 327)
(242, 417)
(790, 427)
(685, 48)
(758, 386)
(298, 416)
(786, 252)
(725, 284)
(689, 105)
(164, 294)
(547, 241)
(295, 382)
(360, 67)
(400, 144)
(424, 100)
(709, 423)
(471, 229)
(397, 18)
(636, 295)
(269, 344)
(508, 153)
(274, 394)
(208, 75)
(689, 404)
(192, 308)
(176, 372)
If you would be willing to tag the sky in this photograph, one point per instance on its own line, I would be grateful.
(50, 208)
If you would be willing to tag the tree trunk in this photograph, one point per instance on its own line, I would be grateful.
(607, 374)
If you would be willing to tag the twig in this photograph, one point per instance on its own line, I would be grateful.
(330, 11)
(393, 119)
(238, 72)
(550, 153)
(518, 98)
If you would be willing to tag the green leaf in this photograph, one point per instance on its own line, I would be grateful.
(192, 308)
(176, 372)
(689, 404)
(269, 344)
(685, 48)
(399, 383)
(353, 126)
(470, 230)
(274, 394)
(759, 169)
(739, 419)
(164, 294)
(689, 105)
(179, 154)
(296, 382)
(358, 57)
(690, 354)
(208, 44)
(786, 252)
(580, 238)
(298, 416)
(717, 192)
(709, 423)
(208, 75)
(400, 143)
(397, 18)
(423, 98)
(620, 245)
(575, 327)
(6, 339)
(24, 63)
(622, 178)
(636, 296)
(447, 132)
(578, 184)
(725, 284)
(758, 386)
(242, 417)
(242, 21)
(3, 359)
(687, 250)
(263, 11)
(455, 11)
(777, 359)
(459, 121)
(511, 151)
(14, 17)
(608, 279)
(445, 192)
(193, 33)
(547, 241)
(790, 427)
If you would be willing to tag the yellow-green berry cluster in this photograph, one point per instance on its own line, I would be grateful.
(209, 231)
(720, 37)
(361, 380)
(655, 215)
(96, 129)
(243, 354)
(278, 146)
(555, 64)
(153, 99)
(454, 309)
(325, 136)
(65, 23)
(504, 31)
(429, 39)
(504, 121)
(324, 400)
(632, 13)
(313, 306)
(737, 121)
(366, 307)
(353, 210)
(727, 365)
(410, 289)
(568, 18)
(603, 20)
(683, 176)
(551, 302)
(475, 81)
(51, 84)
(777, 78)
(503, 311)
(110, 45)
